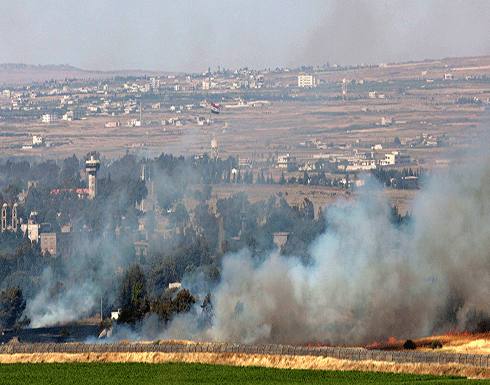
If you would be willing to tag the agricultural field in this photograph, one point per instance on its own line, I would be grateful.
(460, 343)
(187, 373)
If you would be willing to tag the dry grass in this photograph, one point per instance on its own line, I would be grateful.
(464, 344)
(239, 359)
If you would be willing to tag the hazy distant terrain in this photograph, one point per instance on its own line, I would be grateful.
(23, 74)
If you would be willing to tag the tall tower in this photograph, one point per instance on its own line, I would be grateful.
(4, 217)
(14, 217)
(92, 165)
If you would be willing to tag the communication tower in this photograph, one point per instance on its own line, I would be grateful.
(92, 165)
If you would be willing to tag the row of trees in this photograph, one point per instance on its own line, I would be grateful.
(181, 171)
(395, 178)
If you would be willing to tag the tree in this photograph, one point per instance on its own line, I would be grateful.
(12, 304)
(165, 307)
(307, 209)
(282, 180)
(207, 311)
(132, 296)
(207, 192)
(11, 192)
(179, 217)
(183, 302)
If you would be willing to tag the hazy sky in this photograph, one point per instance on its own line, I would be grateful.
(193, 35)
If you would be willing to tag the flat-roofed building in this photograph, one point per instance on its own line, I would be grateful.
(305, 81)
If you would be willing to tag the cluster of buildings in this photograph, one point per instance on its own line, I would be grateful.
(49, 241)
(60, 242)
(359, 160)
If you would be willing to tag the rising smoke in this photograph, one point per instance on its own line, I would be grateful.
(370, 279)
(391, 31)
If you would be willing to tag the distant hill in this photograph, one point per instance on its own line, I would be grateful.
(19, 73)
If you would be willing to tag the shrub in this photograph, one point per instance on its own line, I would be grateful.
(409, 344)
(105, 324)
(436, 344)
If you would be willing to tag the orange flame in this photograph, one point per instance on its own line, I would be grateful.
(374, 344)
(317, 345)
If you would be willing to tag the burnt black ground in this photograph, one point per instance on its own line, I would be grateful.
(58, 334)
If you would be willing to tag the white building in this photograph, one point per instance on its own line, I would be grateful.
(32, 227)
(37, 141)
(306, 81)
(396, 157)
(155, 83)
(284, 160)
(386, 121)
(49, 118)
(72, 115)
(134, 123)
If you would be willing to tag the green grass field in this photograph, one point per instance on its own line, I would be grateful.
(182, 373)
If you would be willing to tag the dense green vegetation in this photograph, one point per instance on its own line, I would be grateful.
(195, 373)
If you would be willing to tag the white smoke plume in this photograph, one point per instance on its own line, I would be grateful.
(370, 279)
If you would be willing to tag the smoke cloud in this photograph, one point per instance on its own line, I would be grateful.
(354, 32)
(370, 279)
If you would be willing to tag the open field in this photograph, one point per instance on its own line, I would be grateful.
(462, 344)
(283, 362)
(144, 373)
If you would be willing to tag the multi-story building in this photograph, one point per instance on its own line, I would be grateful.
(283, 161)
(396, 157)
(154, 83)
(306, 81)
(49, 118)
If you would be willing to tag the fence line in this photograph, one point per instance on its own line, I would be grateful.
(351, 354)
